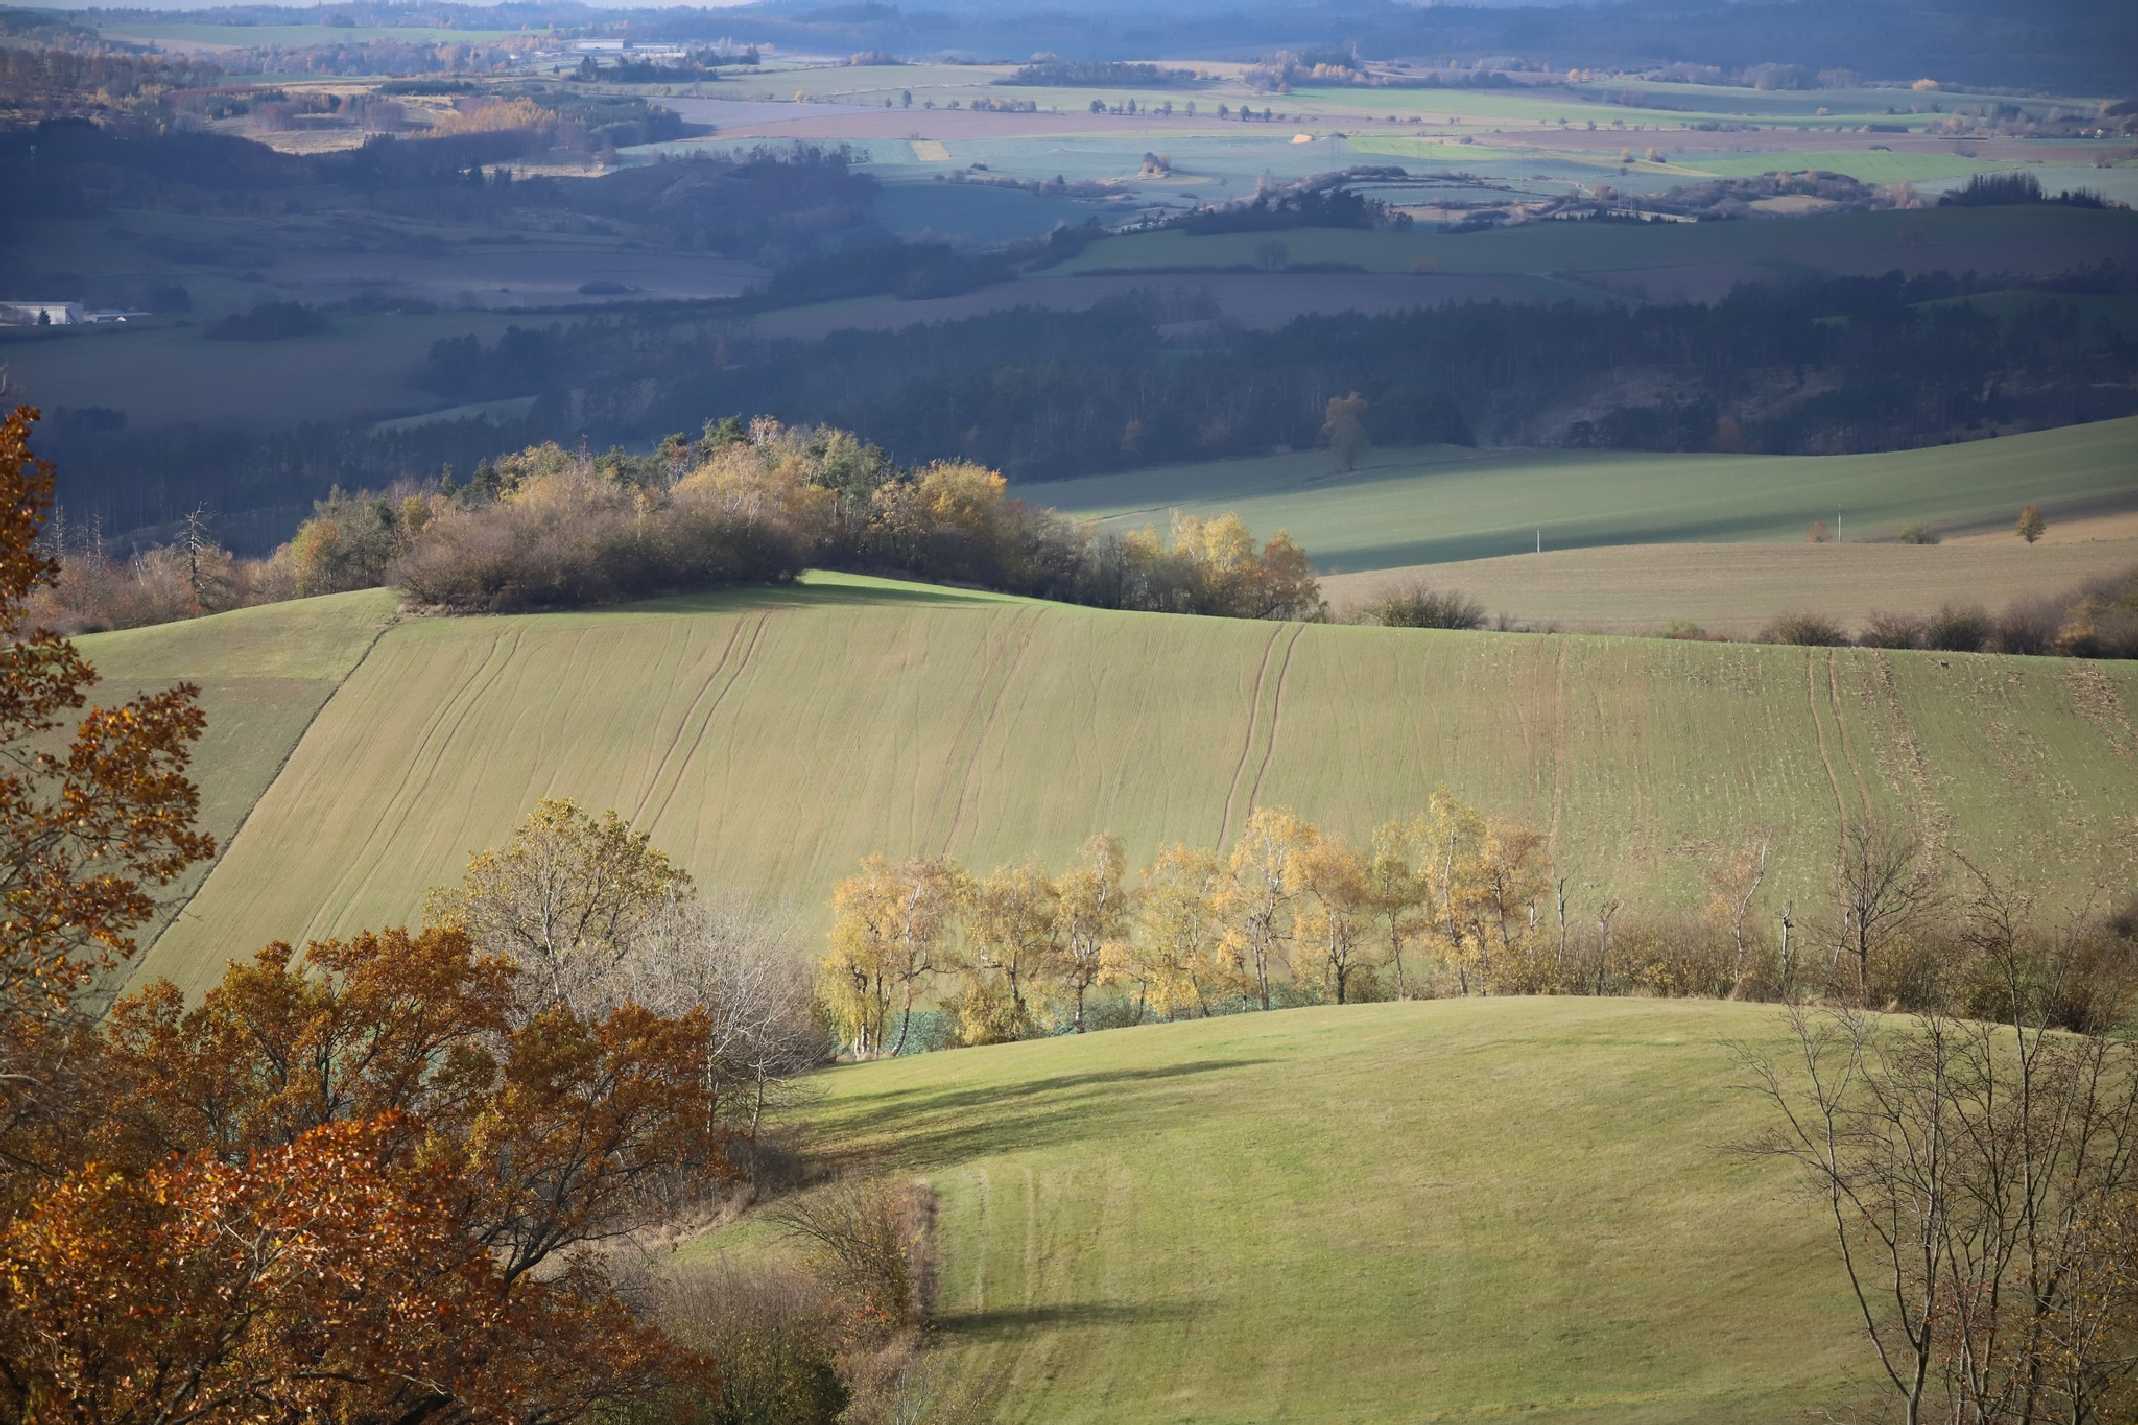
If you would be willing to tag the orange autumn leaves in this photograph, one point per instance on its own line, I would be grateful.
(357, 1183)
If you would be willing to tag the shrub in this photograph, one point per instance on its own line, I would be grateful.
(1954, 629)
(1804, 630)
(1919, 534)
(866, 1235)
(270, 321)
(2029, 626)
(776, 1334)
(1891, 630)
(1418, 605)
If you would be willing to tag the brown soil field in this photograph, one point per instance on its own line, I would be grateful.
(1734, 589)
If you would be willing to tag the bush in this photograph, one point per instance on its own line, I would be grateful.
(2029, 626)
(1919, 534)
(776, 1334)
(1953, 629)
(270, 321)
(1417, 605)
(1890, 630)
(866, 1235)
(1805, 630)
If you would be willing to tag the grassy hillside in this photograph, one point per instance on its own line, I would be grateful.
(772, 739)
(263, 674)
(1429, 506)
(1458, 1211)
(1736, 589)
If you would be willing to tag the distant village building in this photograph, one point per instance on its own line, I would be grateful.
(27, 313)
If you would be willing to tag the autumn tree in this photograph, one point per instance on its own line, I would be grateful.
(1091, 916)
(1344, 427)
(1451, 839)
(890, 928)
(358, 1184)
(1397, 888)
(1333, 913)
(92, 824)
(1256, 897)
(2032, 526)
(1013, 947)
(569, 897)
(1174, 958)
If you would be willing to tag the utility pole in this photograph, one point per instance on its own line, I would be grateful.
(1540, 541)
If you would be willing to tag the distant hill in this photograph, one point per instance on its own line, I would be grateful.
(770, 739)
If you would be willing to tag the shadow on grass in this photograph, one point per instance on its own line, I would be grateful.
(922, 1131)
(1010, 1322)
(812, 596)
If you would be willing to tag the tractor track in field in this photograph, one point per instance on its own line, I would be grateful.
(436, 735)
(1247, 738)
(185, 902)
(682, 722)
(1811, 687)
(1848, 753)
(1276, 720)
(705, 724)
(994, 710)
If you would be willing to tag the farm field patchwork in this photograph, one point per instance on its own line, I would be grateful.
(1360, 1214)
(1404, 507)
(1736, 589)
(770, 739)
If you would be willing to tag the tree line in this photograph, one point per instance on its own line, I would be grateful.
(1447, 901)
(755, 503)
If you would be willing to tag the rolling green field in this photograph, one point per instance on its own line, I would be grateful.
(263, 673)
(1459, 1211)
(770, 739)
(1404, 507)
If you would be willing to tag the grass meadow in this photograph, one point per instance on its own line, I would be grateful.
(1457, 1211)
(770, 739)
(1431, 506)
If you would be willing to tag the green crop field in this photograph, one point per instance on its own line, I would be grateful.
(1406, 507)
(263, 675)
(770, 739)
(1737, 589)
(1869, 166)
(1465, 1210)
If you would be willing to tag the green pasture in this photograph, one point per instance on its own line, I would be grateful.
(1459, 1211)
(1429, 506)
(770, 739)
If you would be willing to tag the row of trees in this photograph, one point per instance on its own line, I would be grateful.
(549, 528)
(1448, 901)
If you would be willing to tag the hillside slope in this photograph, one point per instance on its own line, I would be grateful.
(1429, 506)
(770, 739)
(1455, 1211)
(263, 674)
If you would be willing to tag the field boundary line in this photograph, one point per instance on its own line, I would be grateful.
(1276, 719)
(289, 754)
(1247, 739)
